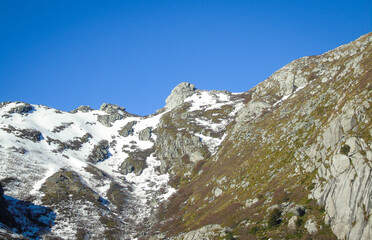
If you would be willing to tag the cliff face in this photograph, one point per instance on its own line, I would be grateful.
(288, 159)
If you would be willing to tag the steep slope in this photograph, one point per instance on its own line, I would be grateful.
(71, 162)
(296, 163)
(96, 169)
(289, 159)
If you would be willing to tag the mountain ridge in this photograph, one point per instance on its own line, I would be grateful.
(277, 161)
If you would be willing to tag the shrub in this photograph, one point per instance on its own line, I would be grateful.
(253, 230)
(345, 149)
(274, 217)
(299, 222)
(229, 236)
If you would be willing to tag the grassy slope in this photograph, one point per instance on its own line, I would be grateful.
(260, 161)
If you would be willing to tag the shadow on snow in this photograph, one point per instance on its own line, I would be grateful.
(31, 220)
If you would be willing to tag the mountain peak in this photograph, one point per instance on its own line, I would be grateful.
(179, 94)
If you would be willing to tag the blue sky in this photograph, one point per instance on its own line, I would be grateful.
(64, 54)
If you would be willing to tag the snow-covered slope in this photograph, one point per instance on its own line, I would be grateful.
(114, 161)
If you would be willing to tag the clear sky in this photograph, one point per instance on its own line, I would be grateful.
(64, 54)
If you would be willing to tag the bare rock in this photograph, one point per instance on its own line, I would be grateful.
(82, 108)
(292, 223)
(114, 113)
(100, 152)
(310, 226)
(145, 134)
(179, 94)
(136, 161)
(64, 185)
(127, 129)
(21, 108)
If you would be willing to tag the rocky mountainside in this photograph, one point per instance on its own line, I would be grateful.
(289, 159)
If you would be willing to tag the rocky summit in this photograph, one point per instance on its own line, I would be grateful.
(289, 159)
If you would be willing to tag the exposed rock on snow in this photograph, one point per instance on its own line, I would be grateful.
(64, 185)
(114, 113)
(99, 152)
(82, 108)
(145, 134)
(127, 129)
(21, 108)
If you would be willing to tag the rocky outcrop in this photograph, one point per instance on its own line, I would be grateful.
(344, 188)
(179, 94)
(136, 161)
(74, 144)
(83, 109)
(100, 152)
(114, 113)
(127, 129)
(21, 108)
(118, 196)
(30, 134)
(173, 147)
(145, 134)
(214, 231)
(64, 185)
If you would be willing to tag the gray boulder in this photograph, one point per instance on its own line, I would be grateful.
(310, 226)
(292, 223)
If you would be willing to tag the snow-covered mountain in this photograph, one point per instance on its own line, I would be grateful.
(95, 169)
(288, 159)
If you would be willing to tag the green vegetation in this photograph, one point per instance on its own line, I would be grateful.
(274, 218)
(345, 149)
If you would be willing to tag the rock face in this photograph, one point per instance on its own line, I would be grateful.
(179, 94)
